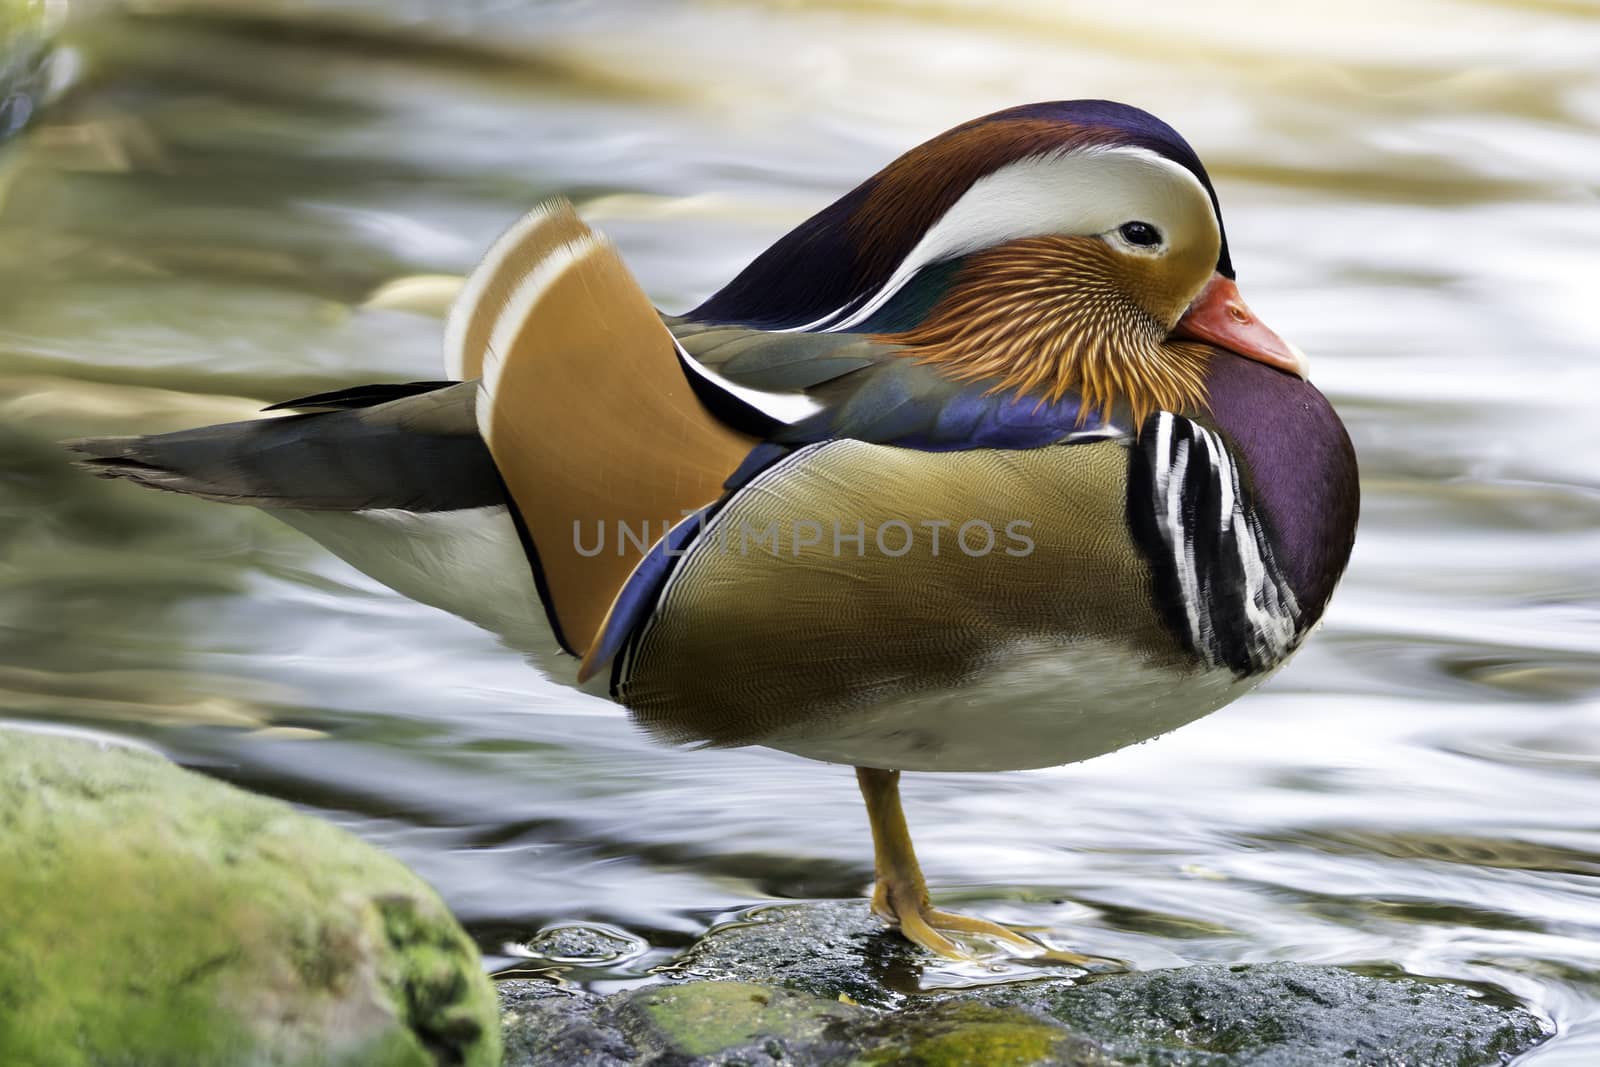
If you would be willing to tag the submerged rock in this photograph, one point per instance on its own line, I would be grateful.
(824, 984)
(153, 916)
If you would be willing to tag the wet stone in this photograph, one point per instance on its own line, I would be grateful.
(828, 948)
(544, 1024)
(739, 1024)
(824, 984)
(582, 943)
(1284, 1015)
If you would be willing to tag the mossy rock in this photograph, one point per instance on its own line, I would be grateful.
(153, 916)
(823, 985)
(736, 1024)
(955, 1032)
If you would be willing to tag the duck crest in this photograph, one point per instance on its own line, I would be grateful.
(836, 260)
(1045, 316)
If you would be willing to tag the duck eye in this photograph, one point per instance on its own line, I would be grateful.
(1140, 233)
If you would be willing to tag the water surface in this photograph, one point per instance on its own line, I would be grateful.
(196, 226)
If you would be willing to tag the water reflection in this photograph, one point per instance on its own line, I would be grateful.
(227, 208)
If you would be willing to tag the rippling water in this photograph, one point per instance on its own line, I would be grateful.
(198, 223)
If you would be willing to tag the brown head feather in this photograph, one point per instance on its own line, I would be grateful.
(1045, 315)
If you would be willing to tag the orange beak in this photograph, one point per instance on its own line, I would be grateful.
(1220, 316)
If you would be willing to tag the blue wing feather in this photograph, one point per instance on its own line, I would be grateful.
(868, 390)
(911, 406)
(639, 594)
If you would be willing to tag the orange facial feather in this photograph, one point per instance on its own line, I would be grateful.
(1044, 315)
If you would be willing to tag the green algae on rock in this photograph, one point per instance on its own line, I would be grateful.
(723, 1024)
(705, 1018)
(151, 915)
(809, 985)
(951, 1033)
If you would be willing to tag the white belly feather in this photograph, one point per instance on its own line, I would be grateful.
(1042, 707)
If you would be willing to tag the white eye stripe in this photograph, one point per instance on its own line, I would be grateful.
(1085, 191)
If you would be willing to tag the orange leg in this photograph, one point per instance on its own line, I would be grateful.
(900, 896)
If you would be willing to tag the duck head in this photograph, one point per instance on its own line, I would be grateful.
(1055, 246)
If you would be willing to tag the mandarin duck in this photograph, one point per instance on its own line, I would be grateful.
(985, 466)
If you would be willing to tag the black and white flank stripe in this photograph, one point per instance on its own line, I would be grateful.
(1217, 585)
